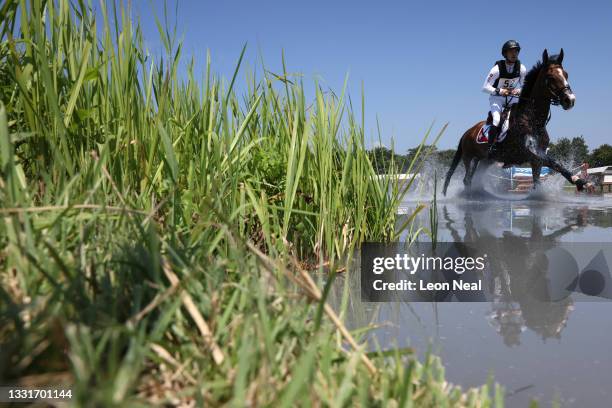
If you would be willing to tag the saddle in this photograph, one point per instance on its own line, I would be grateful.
(483, 133)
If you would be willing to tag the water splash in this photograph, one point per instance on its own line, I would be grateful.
(492, 183)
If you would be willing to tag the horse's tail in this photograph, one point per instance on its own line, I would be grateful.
(453, 166)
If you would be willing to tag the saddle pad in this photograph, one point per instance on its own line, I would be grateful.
(483, 133)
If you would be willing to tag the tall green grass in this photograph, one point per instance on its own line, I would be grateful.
(155, 228)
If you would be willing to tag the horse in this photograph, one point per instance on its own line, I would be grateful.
(526, 139)
(523, 293)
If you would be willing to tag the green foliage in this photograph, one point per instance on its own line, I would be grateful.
(386, 161)
(575, 149)
(601, 156)
(580, 149)
(445, 157)
(137, 206)
(270, 168)
(383, 160)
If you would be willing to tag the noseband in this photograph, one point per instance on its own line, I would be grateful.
(556, 93)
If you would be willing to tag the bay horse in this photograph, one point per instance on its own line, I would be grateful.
(527, 138)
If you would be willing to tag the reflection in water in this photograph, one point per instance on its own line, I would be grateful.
(547, 350)
(516, 282)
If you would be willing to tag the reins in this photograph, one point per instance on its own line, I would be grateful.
(532, 99)
(555, 100)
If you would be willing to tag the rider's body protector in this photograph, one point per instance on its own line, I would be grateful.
(503, 76)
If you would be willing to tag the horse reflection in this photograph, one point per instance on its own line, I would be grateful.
(521, 292)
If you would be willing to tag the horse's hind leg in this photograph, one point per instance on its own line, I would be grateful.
(470, 169)
(467, 163)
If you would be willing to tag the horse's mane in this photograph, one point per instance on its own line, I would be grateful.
(532, 75)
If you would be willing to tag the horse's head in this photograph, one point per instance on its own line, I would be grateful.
(555, 81)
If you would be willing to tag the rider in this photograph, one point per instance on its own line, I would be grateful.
(504, 81)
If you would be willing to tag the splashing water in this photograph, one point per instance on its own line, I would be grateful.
(492, 183)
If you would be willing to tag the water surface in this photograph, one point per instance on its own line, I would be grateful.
(549, 351)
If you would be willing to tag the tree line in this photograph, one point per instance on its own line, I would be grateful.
(565, 149)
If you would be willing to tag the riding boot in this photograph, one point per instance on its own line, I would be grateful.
(492, 136)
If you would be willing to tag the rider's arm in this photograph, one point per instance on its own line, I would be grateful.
(488, 84)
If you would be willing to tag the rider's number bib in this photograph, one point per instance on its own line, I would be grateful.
(508, 83)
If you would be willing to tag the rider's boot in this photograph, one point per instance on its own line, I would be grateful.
(492, 136)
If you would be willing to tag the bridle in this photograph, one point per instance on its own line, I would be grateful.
(555, 99)
(556, 93)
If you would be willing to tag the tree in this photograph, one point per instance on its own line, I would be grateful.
(566, 149)
(427, 151)
(445, 157)
(381, 158)
(432, 154)
(561, 149)
(602, 156)
(579, 149)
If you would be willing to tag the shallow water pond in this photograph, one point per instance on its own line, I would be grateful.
(549, 351)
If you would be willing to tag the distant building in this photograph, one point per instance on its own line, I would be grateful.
(601, 177)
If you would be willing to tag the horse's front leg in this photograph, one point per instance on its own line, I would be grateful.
(556, 166)
(539, 157)
(536, 168)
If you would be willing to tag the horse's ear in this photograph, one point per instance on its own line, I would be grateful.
(560, 59)
(545, 57)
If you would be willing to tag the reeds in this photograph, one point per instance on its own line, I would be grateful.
(135, 203)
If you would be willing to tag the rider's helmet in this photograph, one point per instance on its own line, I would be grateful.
(509, 45)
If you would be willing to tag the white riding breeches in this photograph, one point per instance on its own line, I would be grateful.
(497, 104)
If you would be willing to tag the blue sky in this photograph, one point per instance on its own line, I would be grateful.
(418, 61)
